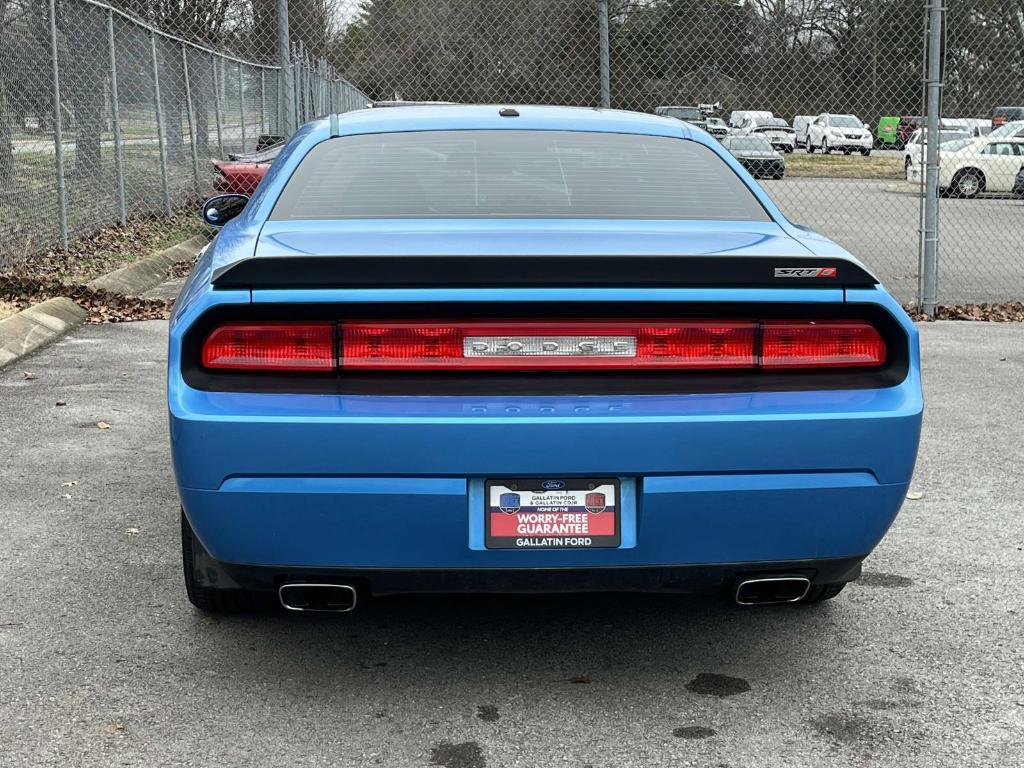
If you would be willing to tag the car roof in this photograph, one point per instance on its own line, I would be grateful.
(489, 117)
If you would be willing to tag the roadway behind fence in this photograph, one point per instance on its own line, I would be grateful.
(860, 59)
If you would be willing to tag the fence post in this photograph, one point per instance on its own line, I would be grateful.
(332, 89)
(285, 85)
(602, 33)
(241, 102)
(214, 65)
(58, 130)
(296, 70)
(928, 286)
(115, 117)
(191, 115)
(263, 102)
(161, 141)
(300, 73)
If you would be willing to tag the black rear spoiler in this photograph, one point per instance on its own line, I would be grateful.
(541, 272)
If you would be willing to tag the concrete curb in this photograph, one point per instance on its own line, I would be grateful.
(34, 327)
(24, 332)
(140, 276)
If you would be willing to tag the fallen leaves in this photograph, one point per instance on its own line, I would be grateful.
(915, 495)
(1006, 312)
(102, 425)
(132, 531)
(69, 483)
(29, 376)
(60, 403)
(102, 306)
(581, 680)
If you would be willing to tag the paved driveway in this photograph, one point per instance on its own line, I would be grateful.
(980, 254)
(103, 663)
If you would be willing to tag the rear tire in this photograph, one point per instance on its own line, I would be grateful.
(810, 147)
(818, 593)
(865, 152)
(214, 600)
(825, 149)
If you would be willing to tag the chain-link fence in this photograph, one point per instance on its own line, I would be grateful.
(104, 118)
(835, 87)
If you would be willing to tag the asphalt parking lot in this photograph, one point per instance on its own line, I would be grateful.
(104, 663)
(878, 221)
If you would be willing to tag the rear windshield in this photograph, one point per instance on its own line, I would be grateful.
(845, 121)
(682, 113)
(514, 174)
(751, 142)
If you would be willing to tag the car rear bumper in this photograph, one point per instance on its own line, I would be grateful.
(764, 168)
(335, 481)
(717, 578)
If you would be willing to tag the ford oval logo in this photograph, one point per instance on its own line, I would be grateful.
(553, 485)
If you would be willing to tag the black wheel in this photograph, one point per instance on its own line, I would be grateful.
(865, 152)
(810, 147)
(968, 184)
(820, 592)
(214, 600)
(847, 152)
(825, 148)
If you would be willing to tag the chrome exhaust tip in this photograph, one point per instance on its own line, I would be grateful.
(323, 598)
(770, 590)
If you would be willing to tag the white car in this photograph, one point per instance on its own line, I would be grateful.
(801, 123)
(1007, 130)
(775, 129)
(847, 133)
(914, 152)
(737, 116)
(970, 166)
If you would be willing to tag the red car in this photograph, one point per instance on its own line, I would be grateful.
(241, 174)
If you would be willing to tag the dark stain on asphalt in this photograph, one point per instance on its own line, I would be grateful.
(693, 732)
(711, 684)
(465, 755)
(488, 713)
(889, 580)
(843, 727)
(906, 686)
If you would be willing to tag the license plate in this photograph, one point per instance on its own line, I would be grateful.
(552, 513)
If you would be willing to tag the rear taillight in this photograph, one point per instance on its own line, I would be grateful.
(531, 346)
(271, 347)
(806, 344)
(543, 346)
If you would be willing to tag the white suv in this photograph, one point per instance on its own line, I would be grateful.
(842, 132)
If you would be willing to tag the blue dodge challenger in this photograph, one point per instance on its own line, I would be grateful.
(496, 349)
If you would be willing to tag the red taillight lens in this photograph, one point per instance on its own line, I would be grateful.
(271, 347)
(510, 345)
(566, 346)
(809, 344)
